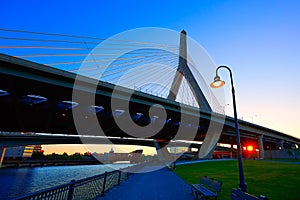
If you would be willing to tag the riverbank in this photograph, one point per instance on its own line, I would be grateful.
(42, 163)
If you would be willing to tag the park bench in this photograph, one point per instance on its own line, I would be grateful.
(237, 194)
(207, 188)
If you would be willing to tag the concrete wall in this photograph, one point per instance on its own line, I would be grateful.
(285, 153)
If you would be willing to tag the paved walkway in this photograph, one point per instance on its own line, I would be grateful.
(160, 184)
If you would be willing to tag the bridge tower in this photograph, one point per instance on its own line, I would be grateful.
(184, 71)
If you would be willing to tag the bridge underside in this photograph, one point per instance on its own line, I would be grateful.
(35, 98)
(40, 103)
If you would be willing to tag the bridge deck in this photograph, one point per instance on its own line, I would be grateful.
(37, 98)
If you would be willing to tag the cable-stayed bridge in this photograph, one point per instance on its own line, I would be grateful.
(38, 98)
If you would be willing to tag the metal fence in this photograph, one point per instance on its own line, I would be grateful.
(84, 189)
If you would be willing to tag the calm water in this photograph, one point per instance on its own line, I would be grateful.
(18, 181)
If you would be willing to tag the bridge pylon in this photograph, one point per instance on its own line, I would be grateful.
(183, 70)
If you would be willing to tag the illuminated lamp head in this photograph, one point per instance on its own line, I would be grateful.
(250, 148)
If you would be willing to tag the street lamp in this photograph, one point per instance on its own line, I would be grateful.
(219, 83)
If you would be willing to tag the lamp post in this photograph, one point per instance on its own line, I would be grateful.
(219, 83)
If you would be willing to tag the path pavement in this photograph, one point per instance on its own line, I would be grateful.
(156, 185)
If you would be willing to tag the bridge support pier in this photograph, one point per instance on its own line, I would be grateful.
(209, 144)
(209, 154)
(282, 144)
(163, 153)
(231, 150)
(197, 155)
(261, 146)
(2, 155)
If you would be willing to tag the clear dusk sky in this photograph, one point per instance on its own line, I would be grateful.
(258, 39)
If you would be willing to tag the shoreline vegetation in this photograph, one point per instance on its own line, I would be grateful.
(38, 159)
(41, 163)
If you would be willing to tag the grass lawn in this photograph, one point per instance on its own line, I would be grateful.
(276, 180)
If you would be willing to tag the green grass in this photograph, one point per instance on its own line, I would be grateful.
(275, 180)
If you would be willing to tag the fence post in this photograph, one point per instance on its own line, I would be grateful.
(119, 179)
(71, 190)
(2, 155)
(104, 183)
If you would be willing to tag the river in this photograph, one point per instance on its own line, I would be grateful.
(19, 181)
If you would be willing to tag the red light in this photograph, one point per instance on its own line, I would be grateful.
(249, 148)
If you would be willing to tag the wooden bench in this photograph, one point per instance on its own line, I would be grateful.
(203, 190)
(237, 194)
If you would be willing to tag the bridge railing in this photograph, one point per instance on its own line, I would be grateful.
(84, 189)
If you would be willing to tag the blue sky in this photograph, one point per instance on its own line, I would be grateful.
(259, 40)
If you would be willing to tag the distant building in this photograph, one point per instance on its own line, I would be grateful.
(37, 148)
(14, 152)
(28, 150)
(21, 151)
(111, 157)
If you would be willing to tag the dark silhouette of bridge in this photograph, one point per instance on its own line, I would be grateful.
(38, 98)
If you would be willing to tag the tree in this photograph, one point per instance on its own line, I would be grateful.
(38, 154)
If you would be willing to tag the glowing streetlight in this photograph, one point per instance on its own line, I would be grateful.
(250, 148)
(219, 83)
